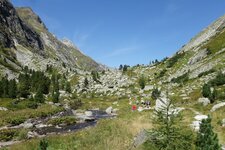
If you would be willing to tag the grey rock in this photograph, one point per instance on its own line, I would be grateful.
(88, 113)
(140, 138)
(26, 125)
(199, 55)
(109, 110)
(3, 109)
(204, 101)
(217, 106)
(223, 122)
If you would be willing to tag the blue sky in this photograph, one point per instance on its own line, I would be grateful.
(115, 32)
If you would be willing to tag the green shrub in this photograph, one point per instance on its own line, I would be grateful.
(181, 79)
(22, 134)
(218, 80)
(206, 72)
(16, 120)
(75, 104)
(172, 61)
(43, 145)
(7, 134)
(68, 120)
(206, 92)
(32, 105)
(211, 95)
(162, 73)
(142, 81)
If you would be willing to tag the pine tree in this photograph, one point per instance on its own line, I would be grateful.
(39, 97)
(85, 82)
(142, 82)
(5, 87)
(206, 92)
(206, 138)
(55, 89)
(168, 134)
(12, 89)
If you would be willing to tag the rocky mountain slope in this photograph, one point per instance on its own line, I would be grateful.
(30, 44)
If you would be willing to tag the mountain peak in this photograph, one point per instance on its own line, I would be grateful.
(31, 18)
(68, 42)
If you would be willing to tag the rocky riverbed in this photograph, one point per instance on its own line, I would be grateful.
(40, 127)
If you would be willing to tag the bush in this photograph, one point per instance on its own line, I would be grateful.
(16, 120)
(172, 61)
(75, 104)
(218, 80)
(63, 120)
(32, 105)
(22, 134)
(7, 134)
(211, 95)
(142, 82)
(206, 92)
(181, 79)
(43, 145)
(206, 72)
(162, 73)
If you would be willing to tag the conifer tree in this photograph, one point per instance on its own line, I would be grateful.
(206, 92)
(206, 138)
(55, 89)
(168, 134)
(12, 89)
(5, 87)
(142, 81)
(39, 97)
(86, 82)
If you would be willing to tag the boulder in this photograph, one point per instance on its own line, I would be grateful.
(217, 106)
(223, 122)
(3, 109)
(115, 110)
(41, 125)
(88, 113)
(109, 110)
(204, 101)
(31, 134)
(26, 125)
(200, 117)
(148, 87)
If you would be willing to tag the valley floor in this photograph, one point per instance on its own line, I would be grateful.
(115, 133)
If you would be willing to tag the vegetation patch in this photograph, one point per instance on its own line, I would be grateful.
(217, 43)
(206, 72)
(7, 134)
(181, 79)
(68, 120)
(172, 61)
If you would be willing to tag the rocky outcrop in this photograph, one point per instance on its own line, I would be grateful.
(33, 45)
(205, 35)
(14, 30)
(204, 101)
(217, 106)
